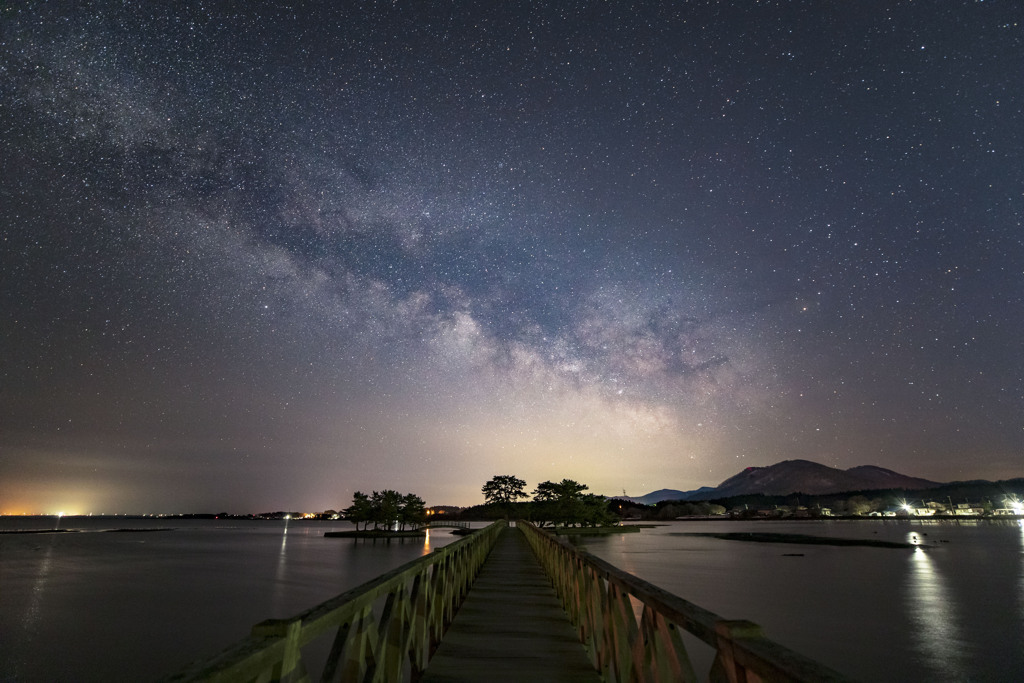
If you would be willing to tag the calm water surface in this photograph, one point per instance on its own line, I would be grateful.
(139, 606)
(950, 610)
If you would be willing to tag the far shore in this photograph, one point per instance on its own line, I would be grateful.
(90, 531)
(625, 526)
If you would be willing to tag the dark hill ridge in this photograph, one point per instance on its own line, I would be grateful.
(804, 476)
(670, 494)
(796, 476)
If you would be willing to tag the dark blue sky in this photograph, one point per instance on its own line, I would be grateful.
(259, 256)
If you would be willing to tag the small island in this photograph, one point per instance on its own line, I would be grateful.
(392, 514)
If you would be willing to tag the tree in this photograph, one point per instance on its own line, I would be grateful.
(504, 489)
(567, 489)
(858, 505)
(412, 511)
(387, 509)
(560, 503)
(595, 511)
(360, 511)
(387, 504)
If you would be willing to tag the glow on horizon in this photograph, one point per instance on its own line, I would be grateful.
(25, 513)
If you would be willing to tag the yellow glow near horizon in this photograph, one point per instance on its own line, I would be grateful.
(20, 512)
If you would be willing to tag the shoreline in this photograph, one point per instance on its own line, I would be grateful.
(85, 531)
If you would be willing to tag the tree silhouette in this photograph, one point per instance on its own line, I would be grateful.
(413, 510)
(561, 503)
(387, 509)
(504, 489)
(360, 511)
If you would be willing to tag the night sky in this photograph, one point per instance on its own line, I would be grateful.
(256, 256)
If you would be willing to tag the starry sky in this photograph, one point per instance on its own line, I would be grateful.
(257, 256)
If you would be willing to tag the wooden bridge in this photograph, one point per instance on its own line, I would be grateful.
(435, 523)
(505, 604)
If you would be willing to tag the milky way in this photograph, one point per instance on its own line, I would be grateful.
(257, 256)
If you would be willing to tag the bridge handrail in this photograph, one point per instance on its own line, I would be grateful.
(600, 598)
(392, 641)
(444, 524)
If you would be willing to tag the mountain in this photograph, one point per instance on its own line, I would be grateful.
(668, 494)
(793, 476)
(804, 476)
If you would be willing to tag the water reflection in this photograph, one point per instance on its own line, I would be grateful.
(18, 644)
(1020, 579)
(106, 606)
(35, 603)
(936, 631)
(279, 592)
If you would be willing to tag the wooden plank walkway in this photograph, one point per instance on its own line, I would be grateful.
(511, 627)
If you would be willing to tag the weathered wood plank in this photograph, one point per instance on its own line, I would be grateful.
(511, 626)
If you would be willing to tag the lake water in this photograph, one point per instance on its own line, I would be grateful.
(950, 610)
(139, 606)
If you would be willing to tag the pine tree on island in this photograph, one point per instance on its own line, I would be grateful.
(387, 510)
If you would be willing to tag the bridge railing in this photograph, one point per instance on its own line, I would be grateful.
(632, 630)
(444, 523)
(383, 630)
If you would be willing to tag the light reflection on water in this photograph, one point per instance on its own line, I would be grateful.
(117, 602)
(939, 612)
(153, 602)
(35, 605)
(932, 611)
(280, 588)
(1020, 592)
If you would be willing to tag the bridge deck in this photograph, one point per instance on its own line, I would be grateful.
(511, 626)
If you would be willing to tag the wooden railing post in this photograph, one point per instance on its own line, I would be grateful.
(666, 656)
(358, 651)
(290, 668)
(726, 668)
(417, 645)
(335, 658)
